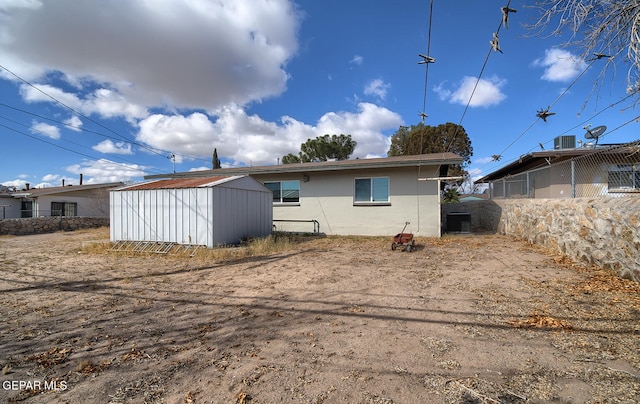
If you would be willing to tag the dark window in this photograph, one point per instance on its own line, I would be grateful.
(624, 177)
(284, 191)
(64, 209)
(26, 209)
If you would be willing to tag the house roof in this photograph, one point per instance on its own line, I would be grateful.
(539, 159)
(178, 183)
(36, 192)
(339, 165)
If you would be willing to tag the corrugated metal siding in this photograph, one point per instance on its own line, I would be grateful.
(208, 216)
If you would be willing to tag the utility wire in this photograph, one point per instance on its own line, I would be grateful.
(63, 140)
(83, 129)
(550, 106)
(583, 123)
(143, 146)
(475, 87)
(70, 150)
(426, 74)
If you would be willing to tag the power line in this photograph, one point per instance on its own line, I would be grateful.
(158, 152)
(582, 124)
(494, 46)
(68, 149)
(63, 140)
(550, 106)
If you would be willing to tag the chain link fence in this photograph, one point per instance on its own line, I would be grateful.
(588, 172)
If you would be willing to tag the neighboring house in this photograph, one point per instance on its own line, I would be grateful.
(9, 206)
(91, 200)
(352, 197)
(210, 211)
(607, 170)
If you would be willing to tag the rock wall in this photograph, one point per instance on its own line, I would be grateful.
(604, 232)
(37, 225)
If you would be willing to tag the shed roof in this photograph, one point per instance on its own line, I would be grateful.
(180, 183)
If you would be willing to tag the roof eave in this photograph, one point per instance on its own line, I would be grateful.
(314, 167)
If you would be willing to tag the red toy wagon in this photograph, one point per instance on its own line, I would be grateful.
(404, 240)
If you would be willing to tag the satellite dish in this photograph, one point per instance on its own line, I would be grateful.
(594, 133)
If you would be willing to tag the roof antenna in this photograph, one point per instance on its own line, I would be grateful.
(594, 133)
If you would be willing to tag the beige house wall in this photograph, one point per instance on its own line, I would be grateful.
(328, 197)
(91, 203)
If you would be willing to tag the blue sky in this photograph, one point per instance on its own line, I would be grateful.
(113, 89)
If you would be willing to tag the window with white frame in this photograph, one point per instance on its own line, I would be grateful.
(371, 190)
(284, 191)
(624, 177)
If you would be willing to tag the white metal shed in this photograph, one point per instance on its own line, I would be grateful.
(210, 211)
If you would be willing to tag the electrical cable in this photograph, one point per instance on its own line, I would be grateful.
(62, 140)
(158, 152)
(475, 87)
(69, 150)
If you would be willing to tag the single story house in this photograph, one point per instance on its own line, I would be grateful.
(607, 170)
(209, 211)
(352, 197)
(89, 200)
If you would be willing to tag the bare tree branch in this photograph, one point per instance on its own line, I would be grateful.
(602, 29)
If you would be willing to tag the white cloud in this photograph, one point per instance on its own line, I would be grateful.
(103, 170)
(249, 139)
(74, 123)
(107, 146)
(45, 129)
(356, 60)
(377, 88)
(18, 184)
(51, 177)
(560, 65)
(487, 92)
(105, 103)
(202, 54)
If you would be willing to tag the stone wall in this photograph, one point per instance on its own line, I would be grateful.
(604, 232)
(37, 225)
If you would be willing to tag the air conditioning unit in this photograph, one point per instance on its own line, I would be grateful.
(564, 142)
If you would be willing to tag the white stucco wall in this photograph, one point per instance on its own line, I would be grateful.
(92, 205)
(328, 197)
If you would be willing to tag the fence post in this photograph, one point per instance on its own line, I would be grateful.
(573, 178)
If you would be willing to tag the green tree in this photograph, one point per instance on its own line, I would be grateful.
(450, 195)
(322, 148)
(423, 139)
(215, 161)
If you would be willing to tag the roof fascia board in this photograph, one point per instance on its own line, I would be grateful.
(313, 167)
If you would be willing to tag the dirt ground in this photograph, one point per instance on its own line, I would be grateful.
(464, 319)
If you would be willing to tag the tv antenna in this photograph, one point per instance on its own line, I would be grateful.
(594, 133)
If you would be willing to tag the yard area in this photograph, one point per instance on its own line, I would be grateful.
(464, 319)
